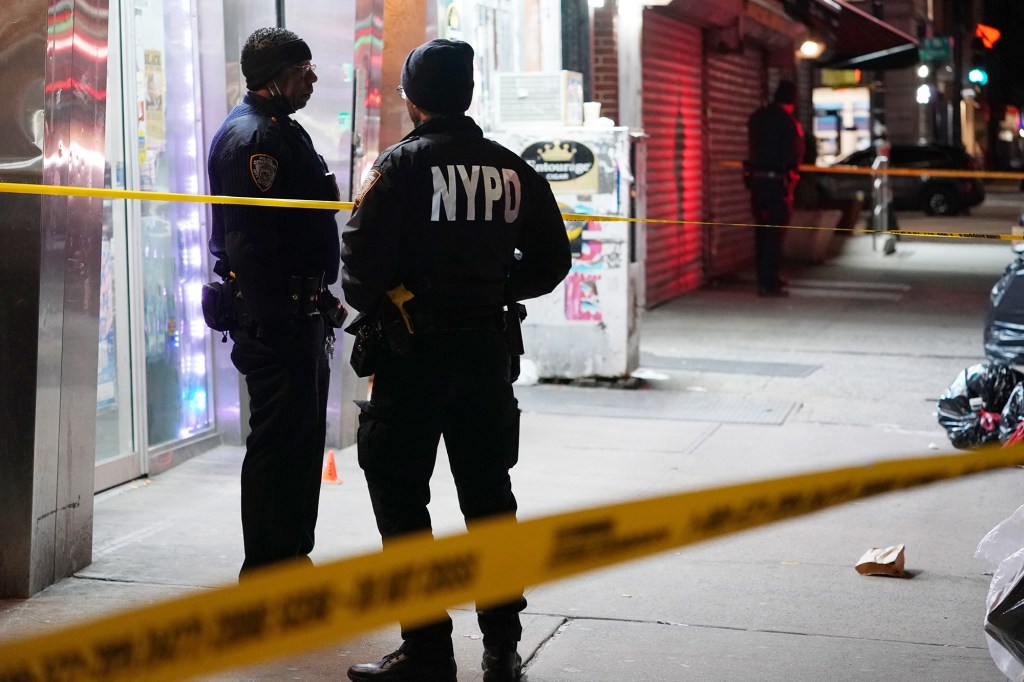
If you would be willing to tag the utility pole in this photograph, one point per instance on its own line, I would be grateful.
(962, 13)
(877, 94)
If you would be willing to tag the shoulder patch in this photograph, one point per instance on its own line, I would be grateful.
(368, 182)
(263, 169)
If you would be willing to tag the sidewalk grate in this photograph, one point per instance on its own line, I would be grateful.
(652, 404)
(771, 369)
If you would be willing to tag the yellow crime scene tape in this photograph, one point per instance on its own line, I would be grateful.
(53, 190)
(929, 172)
(100, 193)
(293, 608)
(852, 230)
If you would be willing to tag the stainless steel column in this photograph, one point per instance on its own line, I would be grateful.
(52, 116)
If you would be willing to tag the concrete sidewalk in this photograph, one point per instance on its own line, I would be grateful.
(845, 371)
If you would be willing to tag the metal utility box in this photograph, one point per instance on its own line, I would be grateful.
(588, 326)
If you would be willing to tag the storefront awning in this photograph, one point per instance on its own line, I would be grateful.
(857, 39)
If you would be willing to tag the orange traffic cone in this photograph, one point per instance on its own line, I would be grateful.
(330, 474)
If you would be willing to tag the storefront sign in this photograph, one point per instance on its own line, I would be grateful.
(840, 78)
(564, 163)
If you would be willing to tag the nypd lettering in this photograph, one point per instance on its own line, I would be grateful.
(491, 184)
(263, 169)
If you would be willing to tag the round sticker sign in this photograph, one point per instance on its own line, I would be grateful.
(559, 160)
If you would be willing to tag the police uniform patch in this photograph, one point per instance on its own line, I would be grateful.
(368, 182)
(263, 169)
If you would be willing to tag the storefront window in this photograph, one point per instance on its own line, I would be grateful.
(172, 233)
(241, 18)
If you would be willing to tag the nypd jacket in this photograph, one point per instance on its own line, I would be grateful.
(444, 212)
(260, 151)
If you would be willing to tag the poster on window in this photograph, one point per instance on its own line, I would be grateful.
(156, 88)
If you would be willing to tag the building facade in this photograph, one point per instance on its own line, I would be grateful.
(102, 330)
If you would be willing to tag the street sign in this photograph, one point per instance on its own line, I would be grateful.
(934, 49)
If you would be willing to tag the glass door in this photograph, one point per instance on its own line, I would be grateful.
(117, 454)
(154, 348)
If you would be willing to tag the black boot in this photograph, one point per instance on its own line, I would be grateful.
(501, 664)
(398, 666)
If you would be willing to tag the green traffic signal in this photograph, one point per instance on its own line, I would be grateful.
(978, 76)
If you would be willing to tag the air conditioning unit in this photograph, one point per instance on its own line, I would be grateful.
(539, 98)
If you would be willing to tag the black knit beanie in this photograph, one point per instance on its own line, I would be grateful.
(261, 67)
(785, 93)
(438, 76)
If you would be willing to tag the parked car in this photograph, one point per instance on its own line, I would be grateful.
(934, 195)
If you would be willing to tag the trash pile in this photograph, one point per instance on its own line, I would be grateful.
(1002, 550)
(1004, 326)
(972, 408)
(985, 402)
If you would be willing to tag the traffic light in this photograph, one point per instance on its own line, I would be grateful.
(985, 37)
(978, 69)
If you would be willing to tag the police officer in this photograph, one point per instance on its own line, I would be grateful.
(437, 223)
(283, 259)
(776, 149)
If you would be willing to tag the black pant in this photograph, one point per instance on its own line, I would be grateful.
(285, 448)
(454, 384)
(771, 202)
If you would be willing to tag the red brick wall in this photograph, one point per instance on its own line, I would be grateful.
(605, 66)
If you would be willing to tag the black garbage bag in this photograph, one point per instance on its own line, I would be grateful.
(1005, 621)
(1004, 325)
(971, 408)
(1011, 422)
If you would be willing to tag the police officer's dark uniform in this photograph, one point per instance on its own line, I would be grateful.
(441, 214)
(283, 259)
(776, 149)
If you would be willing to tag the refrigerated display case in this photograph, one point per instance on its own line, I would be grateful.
(173, 242)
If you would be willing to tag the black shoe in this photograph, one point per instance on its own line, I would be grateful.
(401, 667)
(777, 292)
(501, 665)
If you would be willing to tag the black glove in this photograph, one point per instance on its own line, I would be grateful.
(332, 310)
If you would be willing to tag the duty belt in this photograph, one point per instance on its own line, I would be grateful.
(305, 294)
(443, 322)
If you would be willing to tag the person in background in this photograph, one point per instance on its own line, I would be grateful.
(282, 260)
(775, 151)
(448, 230)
